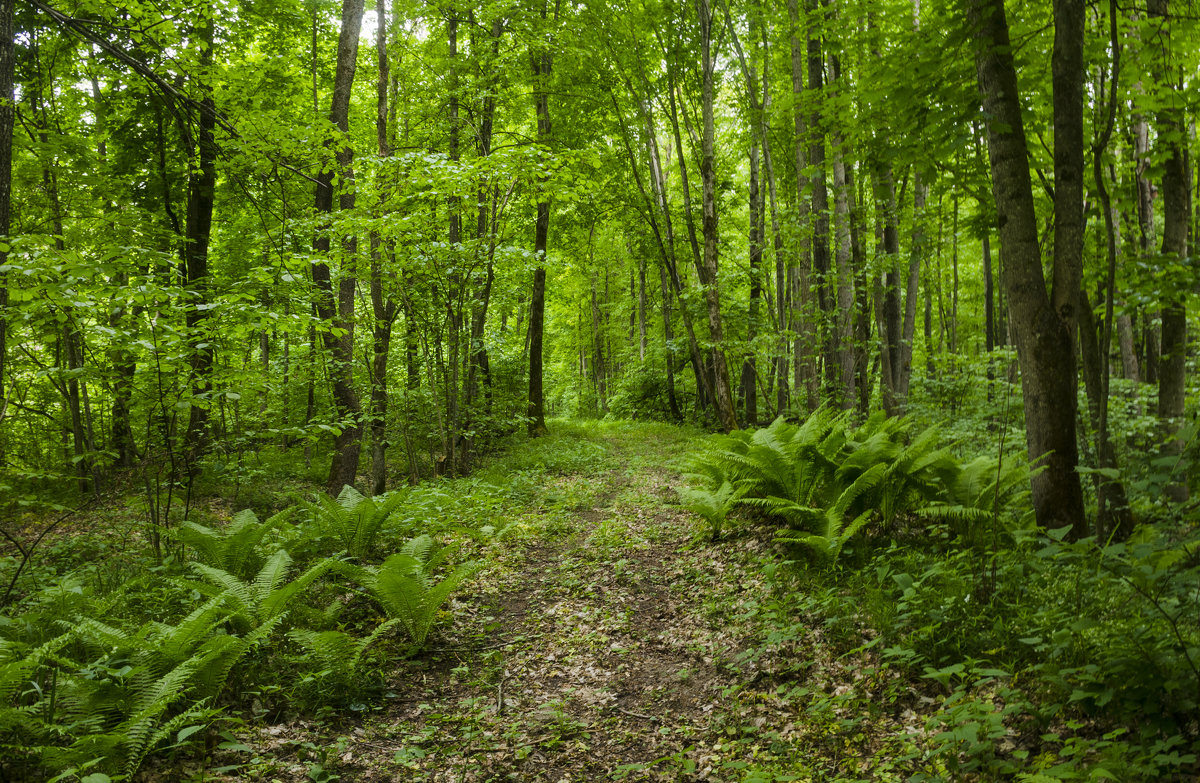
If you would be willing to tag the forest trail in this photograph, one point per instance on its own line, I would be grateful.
(616, 649)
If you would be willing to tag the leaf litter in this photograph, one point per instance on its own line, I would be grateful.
(622, 650)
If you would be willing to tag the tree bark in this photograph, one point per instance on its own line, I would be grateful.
(721, 389)
(202, 180)
(383, 307)
(338, 313)
(843, 209)
(1177, 208)
(802, 315)
(7, 115)
(542, 65)
(1043, 339)
(887, 300)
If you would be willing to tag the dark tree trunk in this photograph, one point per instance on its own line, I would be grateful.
(202, 180)
(7, 114)
(723, 394)
(823, 315)
(1176, 198)
(383, 307)
(1043, 338)
(338, 313)
(542, 65)
(888, 299)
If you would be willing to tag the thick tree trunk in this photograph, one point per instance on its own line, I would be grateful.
(202, 180)
(723, 394)
(1043, 339)
(338, 314)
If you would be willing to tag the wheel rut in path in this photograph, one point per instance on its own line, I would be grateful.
(602, 659)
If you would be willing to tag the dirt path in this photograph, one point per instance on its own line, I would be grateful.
(617, 649)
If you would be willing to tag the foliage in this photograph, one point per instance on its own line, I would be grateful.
(352, 520)
(233, 549)
(828, 480)
(408, 589)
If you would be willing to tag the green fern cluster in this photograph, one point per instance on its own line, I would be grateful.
(353, 520)
(87, 687)
(826, 479)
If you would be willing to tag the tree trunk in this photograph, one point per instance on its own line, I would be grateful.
(843, 207)
(723, 394)
(802, 316)
(912, 292)
(542, 65)
(7, 115)
(1043, 339)
(383, 308)
(669, 337)
(748, 385)
(338, 314)
(887, 299)
(202, 180)
(1177, 208)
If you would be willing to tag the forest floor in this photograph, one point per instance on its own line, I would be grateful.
(606, 642)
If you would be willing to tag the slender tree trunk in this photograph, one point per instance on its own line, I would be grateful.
(669, 337)
(721, 388)
(1114, 518)
(823, 314)
(748, 385)
(912, 292)
(1043, 338)
(542, 65)
(888, 295)
(338, 313)
(1177, 208)
(7, 114)
(843, 197)
(802, 316)
(383, 307)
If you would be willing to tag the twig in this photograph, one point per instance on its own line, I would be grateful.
(496, 646)
(637, 715)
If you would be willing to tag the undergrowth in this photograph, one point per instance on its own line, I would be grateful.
(1047, 659)
(103, 663)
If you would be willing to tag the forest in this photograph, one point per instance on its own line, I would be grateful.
(723, 390)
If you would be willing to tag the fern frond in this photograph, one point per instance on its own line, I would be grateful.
(272, 574)
(275, 603)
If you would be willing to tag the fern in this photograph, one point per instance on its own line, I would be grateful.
(711, 504)
(838, 524)
(233, 549)
(353, 519)
(338, 651)
(407, 589)
(266, 597)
